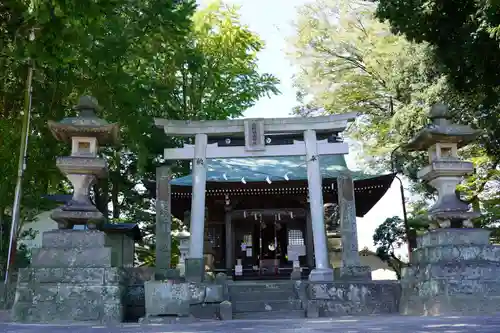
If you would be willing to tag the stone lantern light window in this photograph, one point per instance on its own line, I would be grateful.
(84, 146)
(443, 151)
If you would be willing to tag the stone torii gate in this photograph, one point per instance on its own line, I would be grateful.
(258, 134)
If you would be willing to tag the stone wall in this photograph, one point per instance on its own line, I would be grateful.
(11, 292)
(70, 278)
(133, 299)
(454, 272)
(349, 298)
(134, 302)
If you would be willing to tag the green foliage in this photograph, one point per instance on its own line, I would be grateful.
(141, 60)
(146, 255)
(465, 45)
(22, 254)
(350, 61)
(465, 48)
(391, 236)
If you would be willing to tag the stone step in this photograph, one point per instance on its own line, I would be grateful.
(278, 295)
(71, 257)
(82, 239)
(267, 306)
(270, 315)
(261, 287)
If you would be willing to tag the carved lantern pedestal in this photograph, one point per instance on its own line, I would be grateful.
(454, 270)
(76, 275)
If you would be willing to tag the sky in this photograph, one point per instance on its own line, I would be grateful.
(273, 20)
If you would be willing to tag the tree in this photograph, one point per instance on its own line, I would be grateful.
(350, 61)
(458, 33)
(465, 45)
(216, 78)
(140, 60)
(76, 50)
(390, 236)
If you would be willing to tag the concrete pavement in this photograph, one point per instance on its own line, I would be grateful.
(392, 324)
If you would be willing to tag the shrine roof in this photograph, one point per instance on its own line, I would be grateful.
(275, 169)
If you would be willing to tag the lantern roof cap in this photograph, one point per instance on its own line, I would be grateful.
(86, 124)
(442, 129)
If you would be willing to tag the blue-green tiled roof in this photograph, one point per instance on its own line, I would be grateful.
(259, 169)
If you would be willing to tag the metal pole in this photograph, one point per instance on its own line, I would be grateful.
(16, 208)
(403, 202)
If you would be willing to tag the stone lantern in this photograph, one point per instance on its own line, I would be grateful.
(86, 133)
(183, 237)
(77, 275)
(453, 270)
(445, 171)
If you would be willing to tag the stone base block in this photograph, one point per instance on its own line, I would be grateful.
(353, 273)
(459, 279)
(183, 299)
(455, 254)
(226, 310)
(82, 239)
(76, 276)
(64, 302)
(313, 310)
(195, 269)
(4, 316)
(454, 295)
(357, 298)
(321, 275)
(453, 236)
(472, 270)
(296, 275)
(7, 296)
(214, 293)
(459, 305)
(71, 257)
(205, 311)
(55, 295)
(167, 298)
